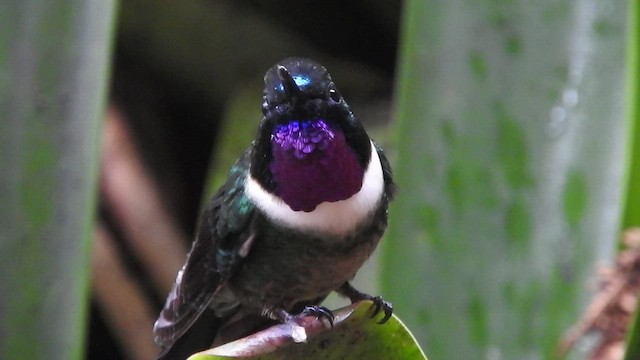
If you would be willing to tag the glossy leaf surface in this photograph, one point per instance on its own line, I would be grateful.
(510, 163)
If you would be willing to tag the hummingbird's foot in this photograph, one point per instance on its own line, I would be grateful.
(284, 317)
(381, 305)
(378, 302)
(319, 312)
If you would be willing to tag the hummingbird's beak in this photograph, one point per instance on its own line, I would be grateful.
(291, 89)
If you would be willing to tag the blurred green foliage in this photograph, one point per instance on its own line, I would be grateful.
(54, 59)
(632, 210)
(510, 155)
(511, 144)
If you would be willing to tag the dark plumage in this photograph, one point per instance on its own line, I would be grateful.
(300, 212)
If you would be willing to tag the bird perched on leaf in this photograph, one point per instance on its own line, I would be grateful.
(300, 212)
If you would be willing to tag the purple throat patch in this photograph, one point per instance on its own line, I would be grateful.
(312, 164)
(303, 137)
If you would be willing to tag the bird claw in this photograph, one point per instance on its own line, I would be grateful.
(319, 312)
(381, 305)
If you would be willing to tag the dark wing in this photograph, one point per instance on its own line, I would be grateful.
(389, 185)
(224, 226)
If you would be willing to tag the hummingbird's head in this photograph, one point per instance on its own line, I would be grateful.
(310, 147)
(295, 84)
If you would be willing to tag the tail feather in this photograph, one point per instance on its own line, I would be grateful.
(197, 338)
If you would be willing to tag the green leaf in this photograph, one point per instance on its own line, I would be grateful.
(632, 210)
(54, 58)
(510, 159)
(355, 335)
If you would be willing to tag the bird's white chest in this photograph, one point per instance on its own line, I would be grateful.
(334, 218)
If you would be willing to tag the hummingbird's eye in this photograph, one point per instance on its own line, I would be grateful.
(265, 107)
(335, 95)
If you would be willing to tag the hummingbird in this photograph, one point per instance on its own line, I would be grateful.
(300, 212)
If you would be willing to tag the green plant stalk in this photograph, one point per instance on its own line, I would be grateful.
(632, 210)
(54, 61)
